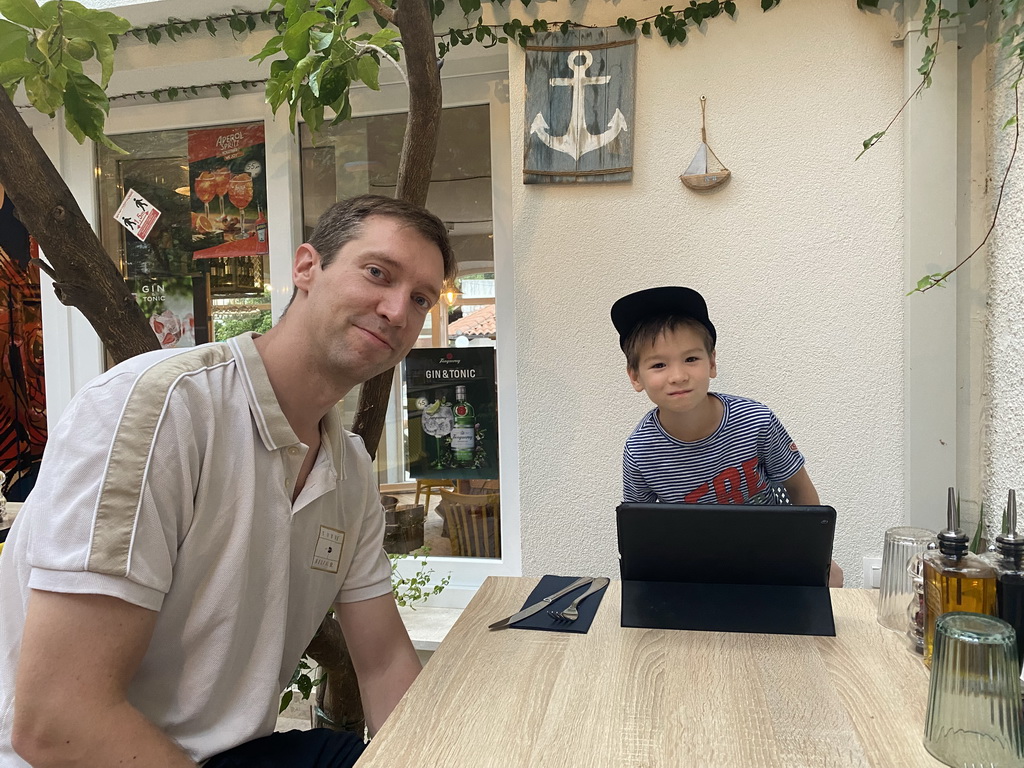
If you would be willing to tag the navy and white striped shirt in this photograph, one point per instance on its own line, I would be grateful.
(741, 462)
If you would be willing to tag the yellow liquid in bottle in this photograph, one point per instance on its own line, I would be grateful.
(951, 589)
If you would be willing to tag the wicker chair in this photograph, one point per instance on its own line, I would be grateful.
(474, 523)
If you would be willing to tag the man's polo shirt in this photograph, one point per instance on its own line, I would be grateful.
(168, 484)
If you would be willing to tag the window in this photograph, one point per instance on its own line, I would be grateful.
(361, 156)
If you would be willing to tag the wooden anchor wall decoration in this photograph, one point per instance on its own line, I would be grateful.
(580, 94)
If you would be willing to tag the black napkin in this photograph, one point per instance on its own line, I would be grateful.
(549, 585)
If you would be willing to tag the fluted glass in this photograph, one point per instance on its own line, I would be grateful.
(896, 588)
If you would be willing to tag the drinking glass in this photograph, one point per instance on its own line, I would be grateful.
(240, 195)
(221, 178)
(206, 190)
(896, 586)
(974, 713)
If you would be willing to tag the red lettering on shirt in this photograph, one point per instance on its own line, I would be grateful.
(694, 496)
(755, 483)
(729, 487)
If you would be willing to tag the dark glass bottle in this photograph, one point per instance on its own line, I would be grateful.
(1008, 560)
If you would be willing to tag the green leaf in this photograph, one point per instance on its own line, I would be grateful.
(250, 22)
(225, 90)
(646, 29)
(1011, 121)
(28, 13)
(15, 71)
(767, 5)
(286, 698)
(85, 108)
(369, 72)
(354, 8)
(730, 8)
(272, 48)
(96, 27)
(296, 37)
(320, 40)
(43, 93)
(172, 93)
(13, 41)
(864, 4)
(153, 35)
(469, 6)
(237, 24)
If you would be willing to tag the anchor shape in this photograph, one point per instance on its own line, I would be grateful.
(577, 140)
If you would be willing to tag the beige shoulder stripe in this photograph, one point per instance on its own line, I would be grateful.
(125, 473)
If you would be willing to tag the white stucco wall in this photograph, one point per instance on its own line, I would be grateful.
(799, 257)
(1004, 422)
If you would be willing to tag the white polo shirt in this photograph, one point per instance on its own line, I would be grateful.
(168, 484)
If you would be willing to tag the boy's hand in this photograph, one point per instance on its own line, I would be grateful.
(835, 575)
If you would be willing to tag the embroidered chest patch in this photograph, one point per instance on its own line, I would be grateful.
(327, 555)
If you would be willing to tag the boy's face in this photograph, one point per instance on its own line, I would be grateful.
(675, 371)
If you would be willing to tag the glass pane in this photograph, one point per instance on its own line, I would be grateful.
(361, 156)
(198, 274)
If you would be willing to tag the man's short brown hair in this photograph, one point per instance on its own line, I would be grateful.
(343, 222)
(643, 336)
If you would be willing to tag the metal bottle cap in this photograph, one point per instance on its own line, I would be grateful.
(952, 541)
(1008, 542)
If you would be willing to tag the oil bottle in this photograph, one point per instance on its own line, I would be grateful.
(954, 579)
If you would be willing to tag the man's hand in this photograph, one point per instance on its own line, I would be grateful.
(86, 647)
(382, 654)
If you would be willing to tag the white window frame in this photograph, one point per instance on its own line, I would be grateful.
(74, 355)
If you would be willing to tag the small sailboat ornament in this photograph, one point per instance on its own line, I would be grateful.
(705, 170)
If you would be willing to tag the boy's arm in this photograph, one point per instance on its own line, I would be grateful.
(803, 493)
(801, 490)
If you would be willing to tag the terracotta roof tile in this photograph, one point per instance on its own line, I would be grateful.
(475, 325)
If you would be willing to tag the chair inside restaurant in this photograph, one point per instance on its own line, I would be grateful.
(474, 523)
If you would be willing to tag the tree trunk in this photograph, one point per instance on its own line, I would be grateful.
(414, 170)
(84, 275)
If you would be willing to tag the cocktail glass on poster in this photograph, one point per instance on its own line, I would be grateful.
(438, 421)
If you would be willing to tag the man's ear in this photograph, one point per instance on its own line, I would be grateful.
(634, 379)
(306, 263)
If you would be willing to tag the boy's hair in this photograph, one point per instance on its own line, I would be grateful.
(643, 336)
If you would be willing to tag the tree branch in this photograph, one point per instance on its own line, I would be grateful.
(87, 276)
(382, 10)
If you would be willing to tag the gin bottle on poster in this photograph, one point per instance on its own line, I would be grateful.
(464, 432)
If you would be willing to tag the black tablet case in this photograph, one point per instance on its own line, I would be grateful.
(726, 568)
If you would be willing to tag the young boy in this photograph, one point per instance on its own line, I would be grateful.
(695, 446)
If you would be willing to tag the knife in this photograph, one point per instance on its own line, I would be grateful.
(540, 604)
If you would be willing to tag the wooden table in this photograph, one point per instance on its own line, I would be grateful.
(639, 698)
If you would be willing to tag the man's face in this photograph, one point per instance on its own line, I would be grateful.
(367, 307)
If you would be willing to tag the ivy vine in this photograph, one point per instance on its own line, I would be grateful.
(325, 50)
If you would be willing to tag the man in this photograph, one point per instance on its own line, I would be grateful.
(198, 512)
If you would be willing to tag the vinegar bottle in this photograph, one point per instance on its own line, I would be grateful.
(1008, 561)
(954, 579)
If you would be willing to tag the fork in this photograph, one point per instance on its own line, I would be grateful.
(572, 613)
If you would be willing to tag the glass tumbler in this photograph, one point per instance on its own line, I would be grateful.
(896, 588)
(974, 714)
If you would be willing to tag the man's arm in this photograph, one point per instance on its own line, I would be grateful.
(78, 656)
(803, 493)
(382, 654)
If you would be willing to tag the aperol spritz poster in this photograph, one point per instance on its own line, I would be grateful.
(228, 191)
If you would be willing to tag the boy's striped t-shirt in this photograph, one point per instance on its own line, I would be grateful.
(744, 461)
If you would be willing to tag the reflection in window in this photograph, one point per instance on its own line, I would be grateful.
(199, 273)
(452, 516)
